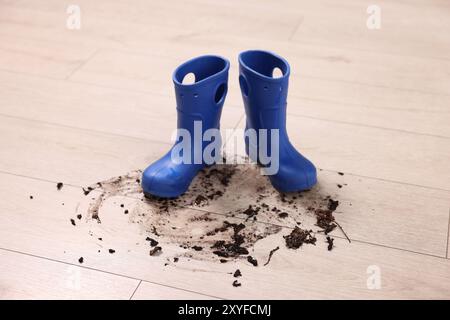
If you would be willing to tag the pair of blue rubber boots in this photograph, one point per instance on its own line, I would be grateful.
(265, 101)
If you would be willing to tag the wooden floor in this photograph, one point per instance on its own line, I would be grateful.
(80, 106)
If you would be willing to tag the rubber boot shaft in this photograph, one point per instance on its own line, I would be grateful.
(265, 101)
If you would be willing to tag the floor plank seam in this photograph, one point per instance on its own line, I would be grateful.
(432, 93)
(132, 52)
(107, 133)
(318, 44)
(320, 169)
(288, 42)
(149, 93)
(234, 128)
(99, 270)
(387, 180)
(136, 289)
(187, 290)
(296, 27)
(303, 76)
(82, 64)
(243, 218)
(237, 107)
(448, 234)
(359, 105)
(29, 74)
(372, 126)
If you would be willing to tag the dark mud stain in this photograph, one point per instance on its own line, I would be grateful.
(240, 197)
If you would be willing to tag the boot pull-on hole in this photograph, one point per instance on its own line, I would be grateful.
(220, 93)
(277, 73)
(189, 78)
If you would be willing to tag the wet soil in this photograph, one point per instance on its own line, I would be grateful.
(225, 212)
(298, 237)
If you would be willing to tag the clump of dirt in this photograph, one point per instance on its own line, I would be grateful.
(325, 220)
(298, 237)
(153, 242)
(325, 217)
(156, 251)
(332, 204)
(236, 283)
(59, 186)
(233, 248)
(270, 255)
(283, 215)
(87, 190)
(200, 200)
(251, 212)
(330, 243)
(252, 260)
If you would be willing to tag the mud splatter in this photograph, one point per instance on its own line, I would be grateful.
(225, 212)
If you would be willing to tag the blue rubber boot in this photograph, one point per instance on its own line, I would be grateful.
(265, 107)
(198, 104)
